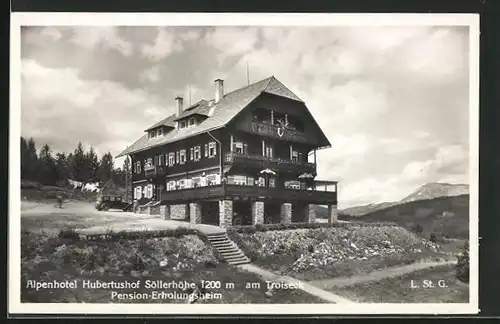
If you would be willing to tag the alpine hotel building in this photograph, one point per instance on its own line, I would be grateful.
(245, 157)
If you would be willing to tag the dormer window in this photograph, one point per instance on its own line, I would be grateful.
(159, 132)
(182, 124)
(191, 121)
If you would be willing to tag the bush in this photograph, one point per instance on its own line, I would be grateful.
(69, 234)
(462, 267)
(238, 240)
(417, 228)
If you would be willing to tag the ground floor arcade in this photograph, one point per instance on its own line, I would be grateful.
(230, 212)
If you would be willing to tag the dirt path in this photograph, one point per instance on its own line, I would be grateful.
(376, 275)
(315, 291)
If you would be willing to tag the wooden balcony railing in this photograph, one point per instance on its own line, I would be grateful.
(274, 131)
(225, 191)
(268, 162)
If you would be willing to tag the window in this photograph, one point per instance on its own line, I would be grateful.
(170, 185)
(272, 182)
(268, 151)
(240, 180)
(138, 167)
(250, 181)
(261, 182)
(197, 153)
(211, 149)
(182, 156)
(292, 184)
(182, 124)
(171, 159)
(160, 159)
(191, 121)
(148, 191)
(213, 179)
(152, 134)
(159, 132)
(295, 156)
(138, 193)
(239, 147)
(148, 163)
(196, 182)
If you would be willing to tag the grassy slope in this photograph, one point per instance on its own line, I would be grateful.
(46, 258)
(332, 252)
(427, 213)
(398, 289)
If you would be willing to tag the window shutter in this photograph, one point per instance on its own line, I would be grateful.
(206, 150)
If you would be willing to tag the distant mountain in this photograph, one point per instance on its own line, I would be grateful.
(435, 190)
(446, 215)
(427, 191)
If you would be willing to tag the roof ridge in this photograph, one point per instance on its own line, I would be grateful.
(251, 84)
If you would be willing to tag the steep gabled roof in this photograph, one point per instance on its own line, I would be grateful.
(219, 114)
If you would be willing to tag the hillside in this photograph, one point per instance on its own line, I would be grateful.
(446, 215)
(428, 191)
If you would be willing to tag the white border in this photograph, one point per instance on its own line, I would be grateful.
(243, 19)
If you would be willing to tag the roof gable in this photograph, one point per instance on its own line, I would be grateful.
(219, 114)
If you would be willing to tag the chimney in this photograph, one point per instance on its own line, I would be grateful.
(219, 89)
(179, 105)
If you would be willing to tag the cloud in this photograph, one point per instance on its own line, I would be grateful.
(449, 164)
(150, 75)
(53, 33)
(98, 112)
(107, 36)
(164, 44)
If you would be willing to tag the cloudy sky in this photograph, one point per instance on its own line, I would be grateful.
(393, 101)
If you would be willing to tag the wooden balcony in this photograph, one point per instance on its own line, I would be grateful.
(274, 131)
(263, 162)
(154, 171)
(217, 192)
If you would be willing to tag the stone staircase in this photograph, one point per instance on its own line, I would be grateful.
(228, 249)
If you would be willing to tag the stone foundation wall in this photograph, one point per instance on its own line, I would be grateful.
(333, 214)
(165, 212)
(286, 213)
(311, 214)
(179, 212)
(195, 213)
(225, 213)
(258, 212)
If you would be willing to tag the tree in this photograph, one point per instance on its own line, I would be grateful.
(92, 165)
(105, 172)
(78, 164)
(62, 167)
(29, 160)
(47, 173)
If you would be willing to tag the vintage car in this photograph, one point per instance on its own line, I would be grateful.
(112, 202)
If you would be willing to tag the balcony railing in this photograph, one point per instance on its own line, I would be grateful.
(154, 171)
(223, 191)
(263, 162)
(275, 131)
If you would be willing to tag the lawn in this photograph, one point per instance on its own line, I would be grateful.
(186, 259)
(399, 289)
